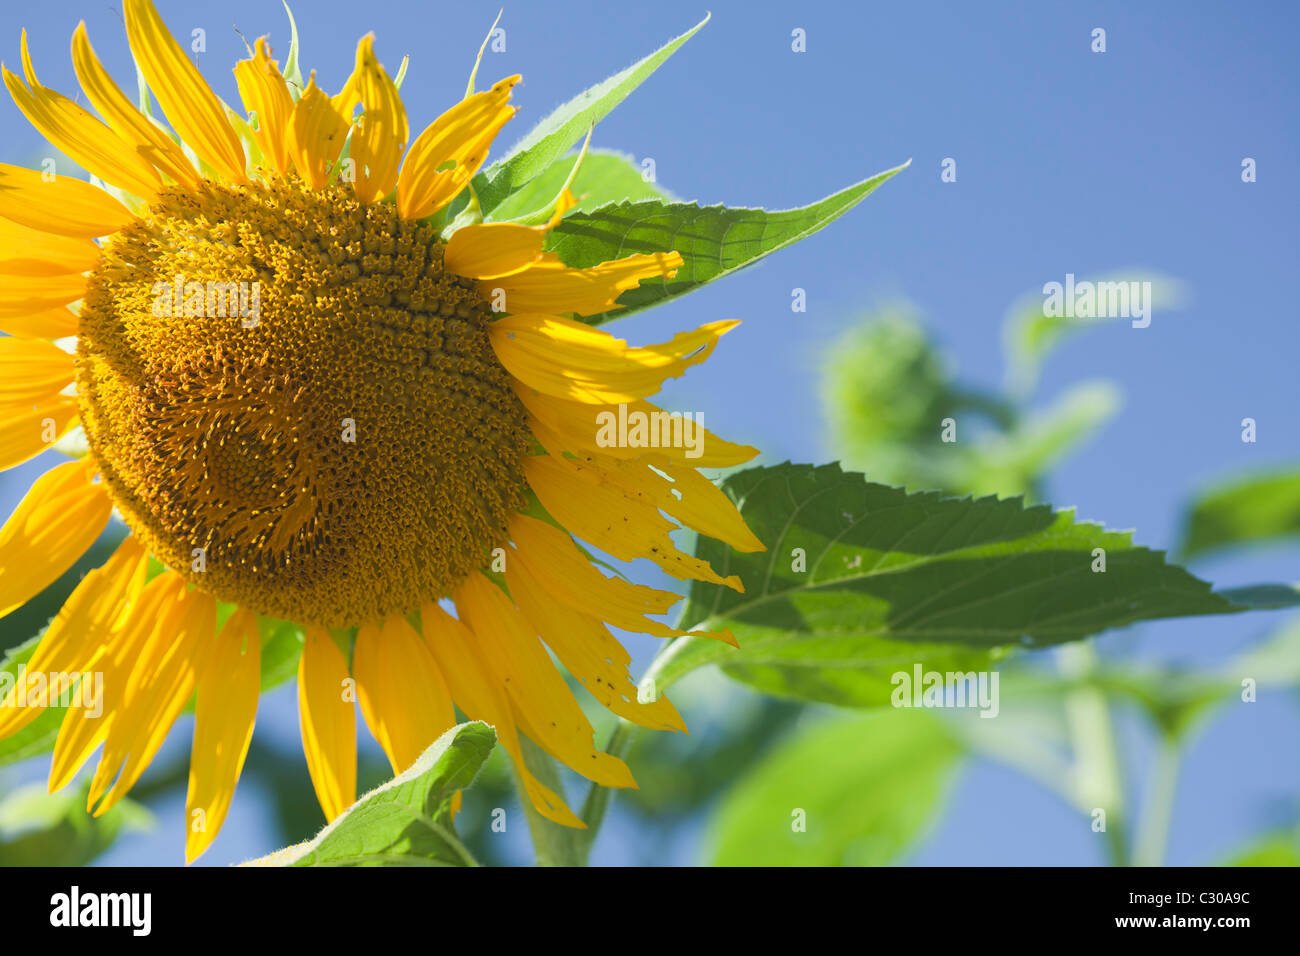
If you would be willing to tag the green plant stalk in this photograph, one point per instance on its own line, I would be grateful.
(1097, 779)
(553, 844)
(1157, 808)
(620, 740)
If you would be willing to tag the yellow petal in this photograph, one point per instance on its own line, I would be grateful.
(161, 682)
(588, 651)
(80, 632)
(192, 108)
(32, 369)
(601, 512)
(22, 295)
(578, 424)
(25, 251)
(567, 359)
(55, 323)
(552, 287)
(26, 432)
(679, 491)
(316, 134)
(225, 709)
(381, 133)
(55, 523)
(74, 131)
(328, 723)
(149, 140)
(543, 704)
(493, 249)
(569, 577)
(482, 697)
(62, 205)
(158, 605)
(402, 693)
(445, 157)
(265, 93)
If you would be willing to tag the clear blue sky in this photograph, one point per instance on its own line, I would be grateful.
(1068, 161)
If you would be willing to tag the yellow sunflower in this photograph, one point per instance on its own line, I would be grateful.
(310, 402)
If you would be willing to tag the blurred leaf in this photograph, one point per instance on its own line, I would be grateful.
(1279, 849)
(407, 821)
(38, 736)
(1016, 460)
(894, 579)
(1255, 508)
(1263, 597)
(1274, 662)
(605, 177)
(551, 138)
(713, 240)
(281, 647)
(865, 787)
(1029, 334)
(38, 828)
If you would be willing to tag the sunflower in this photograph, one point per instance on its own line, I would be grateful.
(309, 399)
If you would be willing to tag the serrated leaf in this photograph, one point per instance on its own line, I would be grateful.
(551, 138)
(1253, 509)
(864, 788)
(605, 177)
(894, 577)
(713, 240)
(407, 821)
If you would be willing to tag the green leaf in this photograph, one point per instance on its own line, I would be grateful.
(407, 821)
(1030, 334)
(714, 241)
(1263, 597)
(893, 579)
(605, 177)
(1277, 849)
(553, 136)
(865, 786)
(38, 736)
(1248, 510)
(292, 71)
(1029, 450)
(38, 828)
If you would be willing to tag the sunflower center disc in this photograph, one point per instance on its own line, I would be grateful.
(295, 406)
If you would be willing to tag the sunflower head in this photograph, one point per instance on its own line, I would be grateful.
(310, 398)
(358, 451)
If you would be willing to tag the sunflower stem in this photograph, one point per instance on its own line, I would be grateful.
(553, 844)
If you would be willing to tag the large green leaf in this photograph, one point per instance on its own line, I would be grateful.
(407, 821)
(893, 579)
(713, 240)
(864, 787)
(605, 177)
(553, 136)
(1256, 508)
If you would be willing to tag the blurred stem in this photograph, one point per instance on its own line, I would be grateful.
(597, 802)
(1097, 776)
(1157, 808)
(553, 844)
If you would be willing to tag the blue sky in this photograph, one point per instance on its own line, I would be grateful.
(1068, 161)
